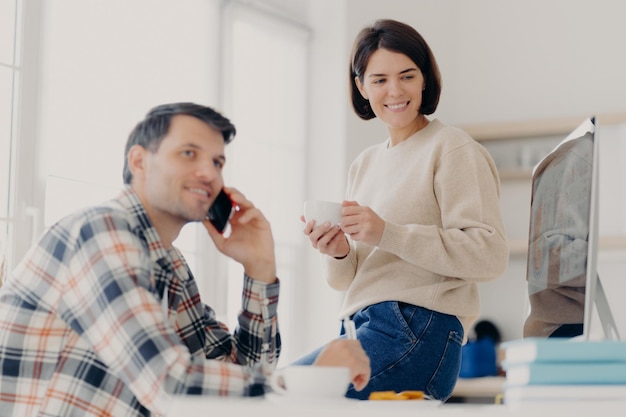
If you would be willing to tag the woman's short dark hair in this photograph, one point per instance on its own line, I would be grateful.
(396, 37)
(152, 129)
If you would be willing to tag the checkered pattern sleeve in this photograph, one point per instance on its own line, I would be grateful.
(86, 333)
(256, 339)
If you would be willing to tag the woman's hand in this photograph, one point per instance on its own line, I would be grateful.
(328, 239)
(361, 223)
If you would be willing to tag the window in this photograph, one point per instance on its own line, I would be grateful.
(9, 86)
(266, 97)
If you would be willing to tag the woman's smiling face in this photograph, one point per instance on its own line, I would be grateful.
(393, 84)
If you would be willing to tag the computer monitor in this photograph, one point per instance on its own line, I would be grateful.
(564, 288)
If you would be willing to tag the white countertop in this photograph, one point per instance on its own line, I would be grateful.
(486, 386)
(275, 406)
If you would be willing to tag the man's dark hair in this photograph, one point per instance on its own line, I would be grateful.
(150, 131)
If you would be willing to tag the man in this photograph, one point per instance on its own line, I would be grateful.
(103, 316)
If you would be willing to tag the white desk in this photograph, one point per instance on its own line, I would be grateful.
(485, 389)
(271, 406)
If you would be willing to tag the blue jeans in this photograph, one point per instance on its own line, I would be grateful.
(410, 348)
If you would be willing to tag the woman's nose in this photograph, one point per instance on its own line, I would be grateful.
(394, 88)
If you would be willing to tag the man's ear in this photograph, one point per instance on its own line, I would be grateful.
(137, 160)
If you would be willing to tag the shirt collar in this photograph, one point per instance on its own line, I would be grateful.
(170, 260)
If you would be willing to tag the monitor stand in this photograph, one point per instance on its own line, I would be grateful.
(605, 315)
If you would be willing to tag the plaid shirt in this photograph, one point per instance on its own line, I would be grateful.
(83, 331)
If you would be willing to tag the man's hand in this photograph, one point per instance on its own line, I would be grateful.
(250, 241)
(350, 353)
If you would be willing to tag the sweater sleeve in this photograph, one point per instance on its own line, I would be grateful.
(340, 272)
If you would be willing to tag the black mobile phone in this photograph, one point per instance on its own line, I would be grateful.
(220, 211)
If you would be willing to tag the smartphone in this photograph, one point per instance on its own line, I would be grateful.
(220, 211)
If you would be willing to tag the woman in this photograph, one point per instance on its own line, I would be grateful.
(421, 223)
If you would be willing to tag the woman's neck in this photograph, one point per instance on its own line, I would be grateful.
(397, 136)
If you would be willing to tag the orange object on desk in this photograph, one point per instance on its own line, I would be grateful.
(392, 395)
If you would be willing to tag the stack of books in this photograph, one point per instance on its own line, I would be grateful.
(564, 370)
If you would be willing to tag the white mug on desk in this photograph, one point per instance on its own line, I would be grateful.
(311, 381)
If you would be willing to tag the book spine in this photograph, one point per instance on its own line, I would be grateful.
(548, 350)
(575, 373)
(564, 393)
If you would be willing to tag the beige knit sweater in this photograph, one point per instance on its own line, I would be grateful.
(438, 192)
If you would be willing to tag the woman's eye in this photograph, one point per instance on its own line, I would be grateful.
(218, 164)
(189, 153)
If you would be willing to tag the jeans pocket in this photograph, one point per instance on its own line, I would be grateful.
(406, 314)
(384, 334)
(444, 379)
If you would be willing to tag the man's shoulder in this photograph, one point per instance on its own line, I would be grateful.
(104, 217)
(111, 208)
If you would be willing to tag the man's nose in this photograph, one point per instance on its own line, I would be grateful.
(207, 170)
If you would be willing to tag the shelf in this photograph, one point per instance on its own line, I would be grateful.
(511, 174)
(516, 147)
(519, 247)
(535, 128)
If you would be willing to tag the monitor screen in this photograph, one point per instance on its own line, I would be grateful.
(562, 274)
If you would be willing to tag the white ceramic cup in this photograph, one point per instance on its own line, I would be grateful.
(322, 211)
(311, 381)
